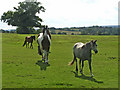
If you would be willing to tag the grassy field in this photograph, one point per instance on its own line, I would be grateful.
(21, 66)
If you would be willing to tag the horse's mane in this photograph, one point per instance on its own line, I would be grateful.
(86, 45)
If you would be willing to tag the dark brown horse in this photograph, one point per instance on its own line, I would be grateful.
(29, 40)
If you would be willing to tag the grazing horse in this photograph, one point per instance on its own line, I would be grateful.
(29, 40)
(83, 52)
(44, 42)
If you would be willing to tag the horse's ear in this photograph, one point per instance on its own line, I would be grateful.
(43, 29)
(46, 27)
(95, 41)
(92, 41)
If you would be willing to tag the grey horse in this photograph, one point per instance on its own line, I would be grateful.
(83, 52)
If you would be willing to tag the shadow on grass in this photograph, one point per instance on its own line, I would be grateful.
(86, 77)
(42, 64)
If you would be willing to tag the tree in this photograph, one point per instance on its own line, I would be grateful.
(24, 16)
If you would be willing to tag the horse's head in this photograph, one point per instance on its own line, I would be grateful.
(45, 31)
(33, 37)
(94, 46)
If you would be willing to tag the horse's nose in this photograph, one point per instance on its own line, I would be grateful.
(96, 51)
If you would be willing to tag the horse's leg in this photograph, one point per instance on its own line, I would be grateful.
(80, 66)
(42, 55)
(76, 65)
(47, 53)
(90, 67)
(28, 44)
(39, 51)
(46, 56)
(31, 45)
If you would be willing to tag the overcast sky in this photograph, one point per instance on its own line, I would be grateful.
(71, 13)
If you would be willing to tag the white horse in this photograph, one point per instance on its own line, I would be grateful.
(44, 42)
(83, 52)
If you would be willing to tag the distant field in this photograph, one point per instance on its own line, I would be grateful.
(68, 32)
(21, 69)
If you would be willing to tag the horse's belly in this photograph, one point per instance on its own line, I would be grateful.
(44, 42)
(29, 40)
(81, 54)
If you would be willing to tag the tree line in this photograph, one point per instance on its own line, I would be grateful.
(93, 30)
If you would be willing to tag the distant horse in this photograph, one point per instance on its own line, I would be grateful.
(83, 52)
(29, 40)
(44, 42)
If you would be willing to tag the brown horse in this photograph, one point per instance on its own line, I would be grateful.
(29, 40)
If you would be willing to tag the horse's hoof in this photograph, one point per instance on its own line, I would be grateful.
(81, 72)
(92, 75)
(76, 69)
(46, 61)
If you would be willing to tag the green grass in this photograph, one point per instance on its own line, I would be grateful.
(19, 68)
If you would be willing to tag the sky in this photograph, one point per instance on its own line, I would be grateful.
(71, 13)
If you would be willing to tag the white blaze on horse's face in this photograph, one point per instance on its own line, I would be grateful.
(45, 34)
(94, 46)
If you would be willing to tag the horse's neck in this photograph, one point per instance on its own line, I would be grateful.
(46, 33)
(88, 46)
(45, 37)
(88, 49)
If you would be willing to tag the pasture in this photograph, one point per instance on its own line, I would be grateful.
(21, 66)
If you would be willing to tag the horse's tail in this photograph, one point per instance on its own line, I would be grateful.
(25, 42)
(71, 63)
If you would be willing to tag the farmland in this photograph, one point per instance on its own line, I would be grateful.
(21, 66)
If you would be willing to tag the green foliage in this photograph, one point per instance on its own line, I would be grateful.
(24, 16)
(24, 30)
(19, 68)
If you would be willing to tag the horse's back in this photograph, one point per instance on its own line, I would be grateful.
(28, 37)
(78, 45)
(78, 49)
